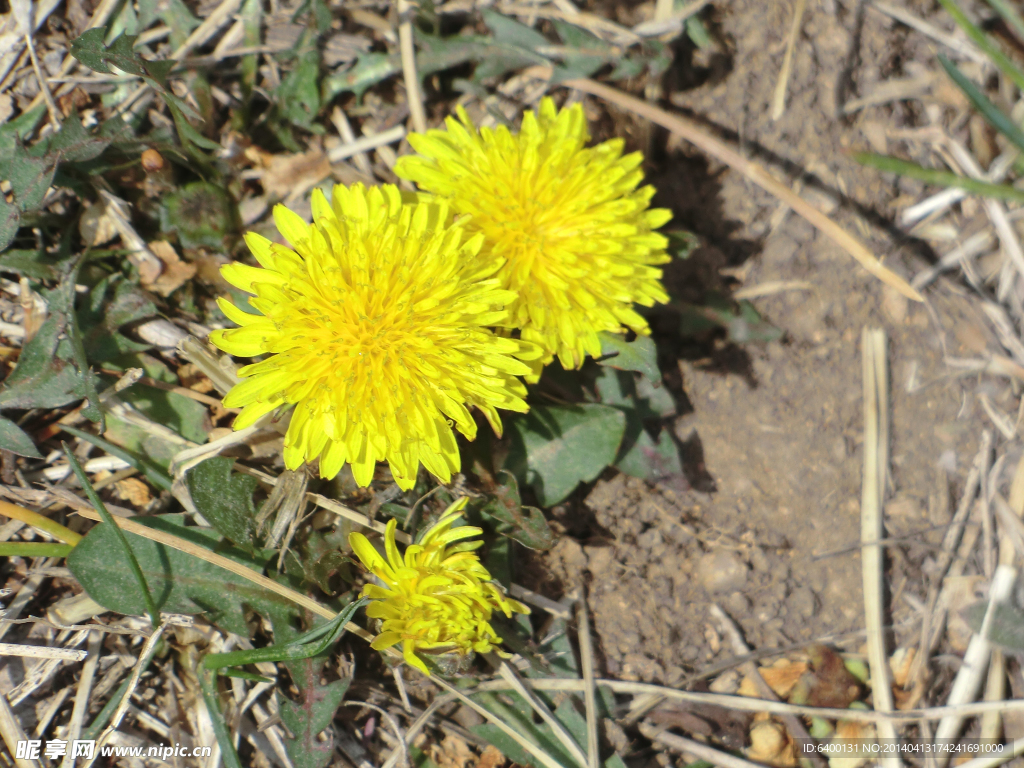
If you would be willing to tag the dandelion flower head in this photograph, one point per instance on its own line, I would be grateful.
(438, 597)
(377, 326)
(576, 233)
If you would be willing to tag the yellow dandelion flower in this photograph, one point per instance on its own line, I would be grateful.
(377, 326)
(576, 234)
(438, 598)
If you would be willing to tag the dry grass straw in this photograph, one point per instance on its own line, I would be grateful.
(724, 153)
(12, 733)
(872, 530)
(779, 98)
(589, 688)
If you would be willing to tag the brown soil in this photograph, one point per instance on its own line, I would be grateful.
(777, 428)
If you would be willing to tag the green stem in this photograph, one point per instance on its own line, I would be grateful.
(97, 502)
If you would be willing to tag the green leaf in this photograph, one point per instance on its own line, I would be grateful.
(29, 176)
(526, 525)
(224, 498)
(180, 583)
(45, 376)
(14, 439)
(554, 448)
(299, 94)
(89, 49)
(508, 30)
(308, 716)
(369, 69)
(37, 264)
(1006, 627)
(585, 55)
(201, 213)
(642, 456)
(72, 143)
(10, 219)
(639, 355)
(989, 111)
(119, 536)
(939, 178)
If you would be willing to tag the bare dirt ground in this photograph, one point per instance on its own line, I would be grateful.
(776, 428)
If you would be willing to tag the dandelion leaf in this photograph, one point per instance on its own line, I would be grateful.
(639, 355)
(224, 498)
(555, 448)
(524, 524)
(14, 439)
(179, 582)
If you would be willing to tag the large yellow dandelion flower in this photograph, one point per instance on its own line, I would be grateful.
(438, 598)
(377, 329)
(575, 232)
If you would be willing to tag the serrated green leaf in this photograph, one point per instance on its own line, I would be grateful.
(368, 70)
(508, 30)
(555, 448)
(308, 716)
(179, 582)
(526, 525)
(585, 53)
(639, 355)
(89, 49)
(224, 498)
(14, 439)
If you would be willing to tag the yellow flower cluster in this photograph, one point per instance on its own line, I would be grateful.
(438, 597)
(388, 319)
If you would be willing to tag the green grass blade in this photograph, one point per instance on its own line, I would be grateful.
(208, 685)
(103, 717)
(34, 549)
(298, 649)
(984, 42)
(158, 477)
(97, 502)
(939, 178)
(1010, 16)
(989, 111)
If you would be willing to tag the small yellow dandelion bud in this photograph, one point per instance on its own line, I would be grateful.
(377, 323)
(438, 597)
(576, 234)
